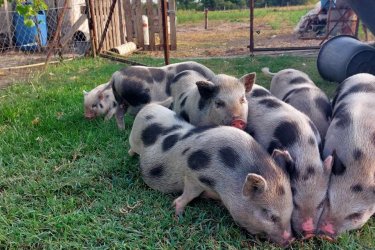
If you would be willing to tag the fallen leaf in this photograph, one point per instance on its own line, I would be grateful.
(36, 121)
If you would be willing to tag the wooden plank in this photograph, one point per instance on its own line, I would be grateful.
(107, 23)
(116, 28)
(95, 22)
(139, 23)
(150, 15)
(172, 24)
(128, 21)
(164, 10)
(122, 24)
(100, 20)
(160, 2)
(107, 35)
(7, 17)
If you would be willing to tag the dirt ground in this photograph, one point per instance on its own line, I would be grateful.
(229, 39)
(221, 39)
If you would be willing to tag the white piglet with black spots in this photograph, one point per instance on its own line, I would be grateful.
(135, 86)
(175, 156)
(297, 89)
(99, 102)
(215, 100)
(351, 138)
(278, 125)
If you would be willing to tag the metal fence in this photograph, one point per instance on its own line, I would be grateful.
(21, 45)
(302, 27)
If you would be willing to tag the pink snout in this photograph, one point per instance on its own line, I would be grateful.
(288, 238)
(308, 227)
(328, 228)
(238, 123)
(89, 115)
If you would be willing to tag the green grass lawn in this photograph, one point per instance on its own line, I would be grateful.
(274, 15)
(68, 183)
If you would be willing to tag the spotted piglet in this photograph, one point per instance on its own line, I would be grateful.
(216, 100)
(278, 125)
(176, 156)
(297, 89)
(351, 138)
(99, 102)
(135, 86)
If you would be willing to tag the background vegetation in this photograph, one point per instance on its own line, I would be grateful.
(236, 4)
(68, 183)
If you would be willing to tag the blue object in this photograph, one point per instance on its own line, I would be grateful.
(26, 36)
(325, 4)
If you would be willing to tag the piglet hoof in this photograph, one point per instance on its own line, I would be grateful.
(327, 238)
(121, 126)
(177, 203)
(131, 152)
(308, 236)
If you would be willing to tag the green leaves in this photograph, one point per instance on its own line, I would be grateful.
(29, 10)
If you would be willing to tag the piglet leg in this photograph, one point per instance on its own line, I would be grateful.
(120, 113)
(191, 190)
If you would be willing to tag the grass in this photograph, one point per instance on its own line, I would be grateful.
(289, 15)
(68, 183)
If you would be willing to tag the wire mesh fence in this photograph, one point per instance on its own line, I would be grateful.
(21, 45)
(305, 26)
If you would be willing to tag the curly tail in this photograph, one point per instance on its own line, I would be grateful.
(267, 72)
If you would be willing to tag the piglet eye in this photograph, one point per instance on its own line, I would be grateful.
(219, 104)
(242, 100)
(100, 105)
(94, 105)
(354, 216)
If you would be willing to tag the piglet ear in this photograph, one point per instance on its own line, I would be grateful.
(85, 92)
(327, 164)
(284, 160)
(206, 89)
(254, 185)
(248, 80)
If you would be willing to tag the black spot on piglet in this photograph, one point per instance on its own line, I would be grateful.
(298, 80)
(338, 167)
(151, 134)
(198, 160)
(169, 142)
(287, 133)
(229, 157)
(157, 171)
(207, 181)
(356, 188)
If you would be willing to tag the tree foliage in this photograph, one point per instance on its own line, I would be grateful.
(29, 10)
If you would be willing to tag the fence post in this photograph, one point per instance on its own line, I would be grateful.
(251, 45)
(205, 18)
(165, 30)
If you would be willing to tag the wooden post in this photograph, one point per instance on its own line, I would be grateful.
(205, 18)
(92, 26)
(107, 25)
(139, 23)
(165, 31)
(251, 46)
(151, 29)
(128, 21)
(56, 37)
(8, 22)
(172, 24)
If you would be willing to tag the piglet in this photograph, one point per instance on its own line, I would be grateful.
(351, 139)
(297, 89)
(215, 100)
(221, 162)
